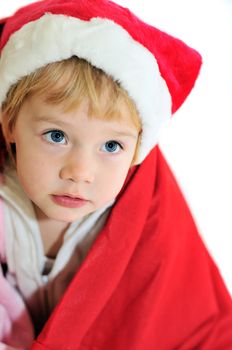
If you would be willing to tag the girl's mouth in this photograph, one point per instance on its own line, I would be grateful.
(68, 201)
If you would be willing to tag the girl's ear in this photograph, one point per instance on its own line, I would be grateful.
(7, 133)
(10, 137)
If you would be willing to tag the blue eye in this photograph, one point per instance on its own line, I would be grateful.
(112, 147)
(55, 136)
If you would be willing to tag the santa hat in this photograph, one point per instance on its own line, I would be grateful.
(157, 70)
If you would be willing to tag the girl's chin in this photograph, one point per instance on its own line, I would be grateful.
(60, 215)
(57, 215)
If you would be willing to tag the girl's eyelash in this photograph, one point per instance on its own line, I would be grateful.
(112, 146)
(118, 143)
(55, 136)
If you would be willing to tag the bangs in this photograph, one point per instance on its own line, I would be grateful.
(68, 83)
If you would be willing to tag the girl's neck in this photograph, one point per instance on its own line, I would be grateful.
(52, 233)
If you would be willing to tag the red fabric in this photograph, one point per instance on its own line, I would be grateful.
(148, 282)
(179, 64)
(2, 23)
(3, 20)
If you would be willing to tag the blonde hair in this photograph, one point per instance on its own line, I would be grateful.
(68, 82)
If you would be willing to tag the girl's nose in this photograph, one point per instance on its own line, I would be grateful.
(78, 168)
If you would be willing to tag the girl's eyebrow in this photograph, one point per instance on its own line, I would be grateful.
(50, 119)
(124, 133)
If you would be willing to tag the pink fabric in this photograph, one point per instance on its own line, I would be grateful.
(2, 242)
(16, 331)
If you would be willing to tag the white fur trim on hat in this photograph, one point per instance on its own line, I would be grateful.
(103, 43)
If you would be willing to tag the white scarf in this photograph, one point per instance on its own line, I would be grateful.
(25, 253)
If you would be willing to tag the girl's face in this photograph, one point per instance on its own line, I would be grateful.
(68, 164)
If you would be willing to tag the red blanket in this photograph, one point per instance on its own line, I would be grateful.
(148, 283)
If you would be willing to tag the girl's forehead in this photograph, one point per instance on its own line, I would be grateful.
(118, 113)
(39, 109)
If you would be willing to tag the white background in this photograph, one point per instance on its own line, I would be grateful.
(198, 140)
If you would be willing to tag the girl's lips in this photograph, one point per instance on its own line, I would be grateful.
(69, 202)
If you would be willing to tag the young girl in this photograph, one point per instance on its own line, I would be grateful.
(98, 247)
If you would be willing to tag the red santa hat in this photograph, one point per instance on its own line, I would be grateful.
(157, 70)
